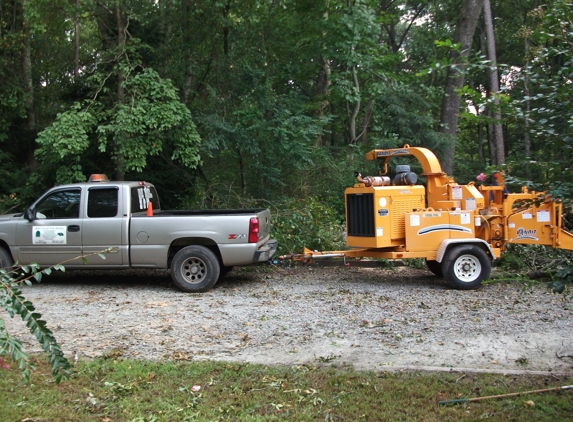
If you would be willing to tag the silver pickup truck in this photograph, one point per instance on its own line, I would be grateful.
(125, 218)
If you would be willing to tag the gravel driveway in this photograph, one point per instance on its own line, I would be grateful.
(370, 318)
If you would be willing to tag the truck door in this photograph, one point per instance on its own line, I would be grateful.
(55, 235)
(103, 227)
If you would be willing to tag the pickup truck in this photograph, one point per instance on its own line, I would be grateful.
(125, 219)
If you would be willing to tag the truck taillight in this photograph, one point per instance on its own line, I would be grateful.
(254, 230)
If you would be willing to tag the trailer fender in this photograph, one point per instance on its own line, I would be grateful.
(447, 242)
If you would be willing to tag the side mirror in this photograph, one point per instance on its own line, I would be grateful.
(30, 214)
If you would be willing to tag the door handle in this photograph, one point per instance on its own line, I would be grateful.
(73, 228)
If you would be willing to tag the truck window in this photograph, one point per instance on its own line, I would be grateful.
(141, 196)
(60, 204)
(102, 202)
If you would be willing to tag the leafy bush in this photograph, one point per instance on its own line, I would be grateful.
(555, 265)
(311, 223)
(563, 279)
(515, 258)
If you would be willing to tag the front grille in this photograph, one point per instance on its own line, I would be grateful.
(360, 214)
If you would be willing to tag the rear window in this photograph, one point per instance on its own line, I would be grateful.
(102, 202)
(141, 196)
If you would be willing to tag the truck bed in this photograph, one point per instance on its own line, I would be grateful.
(165, 213)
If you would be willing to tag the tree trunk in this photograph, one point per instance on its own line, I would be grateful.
(355, 109)
(526, 138)
(366, 121)
(76, 41)
(29, 87)
(322, 89)
(390, 27)
(186, 10)
(481, 155)
(490, 138)
(120, 78)
(465, 29)
(226, 29)
(242, 171)
(494, 84)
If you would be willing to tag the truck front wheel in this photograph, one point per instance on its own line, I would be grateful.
(6, 261)
(466, 266)
(195, 269)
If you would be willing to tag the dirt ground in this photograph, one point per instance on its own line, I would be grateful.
(369, 318)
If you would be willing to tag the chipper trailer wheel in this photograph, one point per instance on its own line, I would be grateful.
(466, 266)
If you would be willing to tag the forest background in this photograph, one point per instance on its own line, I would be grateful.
(273, 103)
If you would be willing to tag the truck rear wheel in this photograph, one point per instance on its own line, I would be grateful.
(195, 269)
(466, 266)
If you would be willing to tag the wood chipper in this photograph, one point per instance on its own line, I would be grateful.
(457, 229)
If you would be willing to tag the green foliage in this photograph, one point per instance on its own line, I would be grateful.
(150, 122)
(68, 135)
(563, 279)
(552, 266)
(14, 303)
(404, 116)
(308, 222)
(541, 95)
(511, 261)
(243, 139)
(151, 117)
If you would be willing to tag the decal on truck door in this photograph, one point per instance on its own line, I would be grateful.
(49, 235)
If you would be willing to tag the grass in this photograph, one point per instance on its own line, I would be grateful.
(108, 390)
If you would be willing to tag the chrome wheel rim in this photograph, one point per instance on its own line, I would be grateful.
(194, 270)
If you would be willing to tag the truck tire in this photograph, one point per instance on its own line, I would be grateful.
(466, 266)
(435, 267)
(195, 269)
(6, 261)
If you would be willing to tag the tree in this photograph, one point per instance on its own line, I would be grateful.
(547, 105)
(497, 131)
(149, 121)
(465, 28)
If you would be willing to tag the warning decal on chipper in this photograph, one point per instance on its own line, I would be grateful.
(392, 152)
(442, 227)
(432, 214)
(49, 235)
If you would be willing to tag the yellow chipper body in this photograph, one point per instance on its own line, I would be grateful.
(458, 229)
